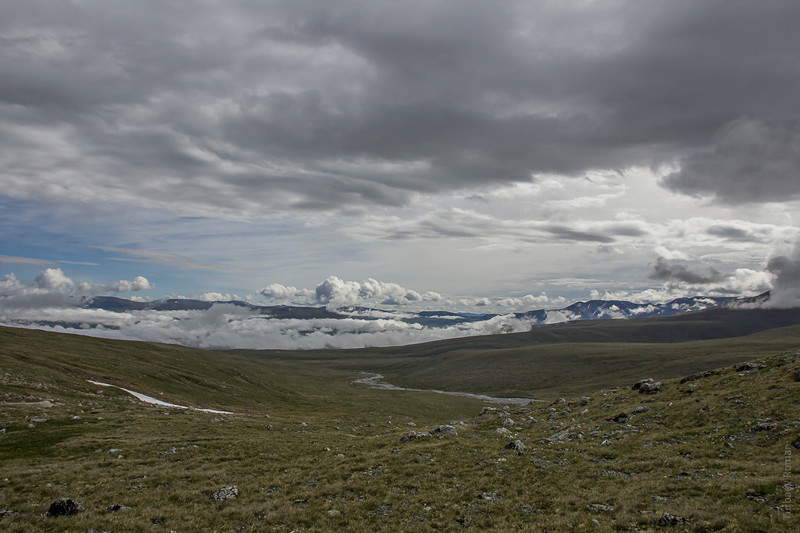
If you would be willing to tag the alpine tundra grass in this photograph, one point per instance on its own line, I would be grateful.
(310, 451)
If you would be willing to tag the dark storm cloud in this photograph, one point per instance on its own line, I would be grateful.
(786, 280)
(267, 106)
(663, 271)
(749, 161)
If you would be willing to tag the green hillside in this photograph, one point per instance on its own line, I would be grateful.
(307, 450)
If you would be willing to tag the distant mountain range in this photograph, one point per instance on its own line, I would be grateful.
(589, 310)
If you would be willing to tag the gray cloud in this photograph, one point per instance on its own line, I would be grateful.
(786, 282)
(749, 161)
(663, 271)
(241, 107)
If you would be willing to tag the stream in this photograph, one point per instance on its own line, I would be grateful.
(374, 381)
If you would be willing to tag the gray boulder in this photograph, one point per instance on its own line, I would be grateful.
(445, 430)
(516, 445)
(231, 492)
(650, 387)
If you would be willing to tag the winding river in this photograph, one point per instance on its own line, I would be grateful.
(374, 381)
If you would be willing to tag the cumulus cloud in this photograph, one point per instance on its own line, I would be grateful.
(749, 160)
(53, 288)
(529, 301)
(335, 293)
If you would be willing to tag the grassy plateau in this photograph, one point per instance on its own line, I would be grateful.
(715, 449)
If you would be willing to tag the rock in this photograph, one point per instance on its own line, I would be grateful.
(113, 508)
(746, 367)
(413, 435)
(638, 384)
(600, 507)
(445, 430)
(584, 401)
(650, 388)
(558, 401)
(668, 519)
(700, 375)
(503, 431)
(605, 442)
(334, 512)
(488, 410)
(641, 409)
(507, 423)
(562, 436)
(231, 492)
(64, 507)
(764, 425)
(517, 445)
(621, 418)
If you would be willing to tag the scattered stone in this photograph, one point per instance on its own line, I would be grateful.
(445, 430)
(700, 375)
(600, 507)
(516, 445)
(64, 507)
(230, 492)
(756, 496)
(621, 418)
(641, 409)
(650, 388)
(558, 401)
(746, 367)
(562, 436)
(488, 410)
(413, 435)
(489, 496)
(503, 431)
(668, 519)
(584, 401)
(113, 508)
(334, 512)
(605, 442)
(764, 425)
(638, 384)
(507, 423)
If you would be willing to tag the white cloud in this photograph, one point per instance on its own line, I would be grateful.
(215, 297)
(529, 301)
(228, 326)
(54, 288)
(276, 291)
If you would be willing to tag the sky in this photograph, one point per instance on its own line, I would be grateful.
(462, 155)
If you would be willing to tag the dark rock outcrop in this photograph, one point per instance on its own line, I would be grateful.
(64, 507)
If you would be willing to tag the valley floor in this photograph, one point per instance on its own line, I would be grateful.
(717, 451)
